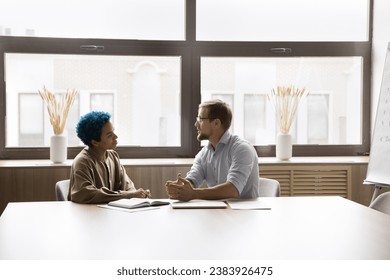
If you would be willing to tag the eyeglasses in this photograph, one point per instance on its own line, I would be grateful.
(199, 119)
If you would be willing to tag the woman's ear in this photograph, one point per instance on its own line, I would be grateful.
(95, 143)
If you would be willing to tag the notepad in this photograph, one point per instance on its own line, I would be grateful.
(131, 203)
(198, 204)
(248, 205)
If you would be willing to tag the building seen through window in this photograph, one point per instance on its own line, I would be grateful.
(325, 115)
(141, 93)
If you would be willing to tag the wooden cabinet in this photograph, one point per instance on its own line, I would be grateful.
(29, 183)
(155, 177)
(34, 180)
(301, 180)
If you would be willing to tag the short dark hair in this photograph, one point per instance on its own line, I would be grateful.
(217, 109)
(90, 126)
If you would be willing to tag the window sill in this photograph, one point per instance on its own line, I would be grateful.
(188, 161)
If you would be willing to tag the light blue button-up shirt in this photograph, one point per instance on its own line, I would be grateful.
(234, 160)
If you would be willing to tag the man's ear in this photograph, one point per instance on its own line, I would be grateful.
(217, 122)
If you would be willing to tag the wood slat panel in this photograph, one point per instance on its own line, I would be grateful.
(36, 183)
(311, 180)
(282, 176)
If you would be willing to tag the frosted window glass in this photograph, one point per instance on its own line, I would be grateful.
(115, 19)
(282, 20)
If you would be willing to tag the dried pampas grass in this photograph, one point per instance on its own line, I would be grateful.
(58, 108)
(286, 101)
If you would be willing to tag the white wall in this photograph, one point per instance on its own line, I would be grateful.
(381, 37)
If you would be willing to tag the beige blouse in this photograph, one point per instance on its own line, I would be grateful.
(95, 181)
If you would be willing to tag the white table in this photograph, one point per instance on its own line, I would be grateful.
(295, 228)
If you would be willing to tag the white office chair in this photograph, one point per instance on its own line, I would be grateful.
(62, 190)
(269, 187)
(382, 203)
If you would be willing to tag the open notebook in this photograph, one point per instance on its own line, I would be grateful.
(131, 203)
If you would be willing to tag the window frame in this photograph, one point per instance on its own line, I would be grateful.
(191, 52)
(300, 49)
(111, 47)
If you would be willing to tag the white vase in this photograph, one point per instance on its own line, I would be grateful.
(58, 148)
(284, 146)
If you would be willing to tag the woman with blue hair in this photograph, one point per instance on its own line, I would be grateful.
(97, 175)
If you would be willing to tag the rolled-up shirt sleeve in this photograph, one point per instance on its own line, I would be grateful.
(197, 173)
(241, 166)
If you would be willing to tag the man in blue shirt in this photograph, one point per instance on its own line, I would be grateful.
(228, 164)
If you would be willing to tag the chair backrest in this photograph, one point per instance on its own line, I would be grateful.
(269, 187)
(382, 203)
(62, 190)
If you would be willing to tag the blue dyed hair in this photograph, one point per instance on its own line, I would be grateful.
(90, 126)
